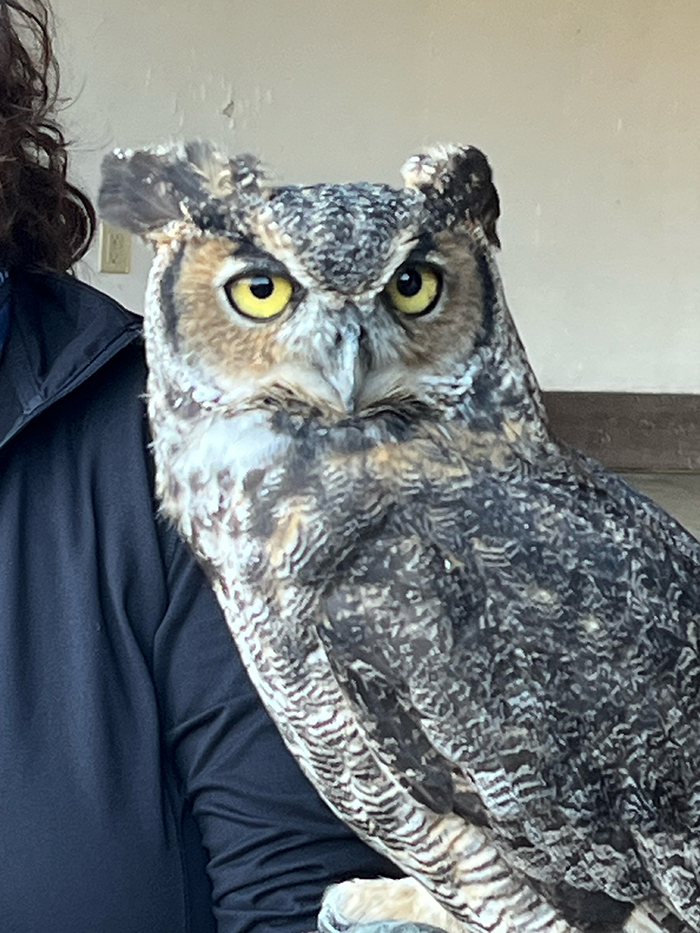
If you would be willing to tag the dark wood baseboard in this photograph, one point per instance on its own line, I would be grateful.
(630, 431)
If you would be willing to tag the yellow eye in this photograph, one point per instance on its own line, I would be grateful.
(415, 288)
(259, 296)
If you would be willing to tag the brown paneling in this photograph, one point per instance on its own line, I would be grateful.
(629, 431)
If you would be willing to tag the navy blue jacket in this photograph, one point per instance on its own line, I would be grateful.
(124, 708)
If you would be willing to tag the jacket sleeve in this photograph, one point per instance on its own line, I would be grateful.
(272, 844)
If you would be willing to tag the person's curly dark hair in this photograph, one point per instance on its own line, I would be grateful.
(45, 222)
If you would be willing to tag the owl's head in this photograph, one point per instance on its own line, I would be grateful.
(337, 300)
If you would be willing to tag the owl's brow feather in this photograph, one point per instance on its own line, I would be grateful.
(345, 235)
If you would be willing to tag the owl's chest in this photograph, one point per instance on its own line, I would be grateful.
(254, 504)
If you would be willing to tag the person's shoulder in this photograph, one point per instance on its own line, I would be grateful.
(65, 293)
(72, 332)
(68, 322)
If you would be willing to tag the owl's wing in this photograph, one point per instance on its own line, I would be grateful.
(643, 510)
(524, 655)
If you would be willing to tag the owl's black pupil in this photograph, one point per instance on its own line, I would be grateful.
(261, 286)
(409, 283)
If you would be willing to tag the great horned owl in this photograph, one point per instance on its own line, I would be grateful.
(481, 646)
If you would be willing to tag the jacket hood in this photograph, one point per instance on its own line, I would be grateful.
(61, 332)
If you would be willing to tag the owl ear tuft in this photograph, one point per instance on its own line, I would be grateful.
(146, 189)
(457, 183)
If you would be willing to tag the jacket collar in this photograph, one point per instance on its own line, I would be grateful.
(61, 332)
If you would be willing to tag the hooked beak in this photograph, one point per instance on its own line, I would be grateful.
(347, 364)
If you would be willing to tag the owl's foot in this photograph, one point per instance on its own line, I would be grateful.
(391, 906)
(384, 905)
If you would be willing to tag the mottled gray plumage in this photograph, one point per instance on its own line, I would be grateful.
(481, 646)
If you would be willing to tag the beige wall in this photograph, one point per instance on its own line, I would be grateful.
(588, 110)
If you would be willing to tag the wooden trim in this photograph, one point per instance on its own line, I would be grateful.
(630, 431)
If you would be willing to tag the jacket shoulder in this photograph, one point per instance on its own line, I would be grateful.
(63, 293)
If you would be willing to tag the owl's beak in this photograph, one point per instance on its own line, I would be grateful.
(347, 364)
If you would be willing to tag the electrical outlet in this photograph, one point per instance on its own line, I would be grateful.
(115, 249)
